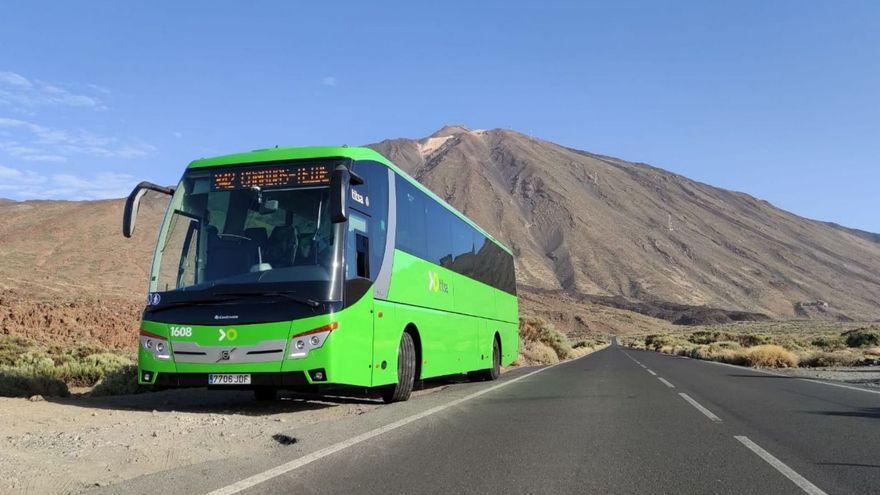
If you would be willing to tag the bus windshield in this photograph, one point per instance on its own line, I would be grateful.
(225, 227)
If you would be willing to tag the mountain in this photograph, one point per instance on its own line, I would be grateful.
(586, 223)
(598, 240)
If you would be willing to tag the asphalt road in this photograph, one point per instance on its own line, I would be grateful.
(616, 421)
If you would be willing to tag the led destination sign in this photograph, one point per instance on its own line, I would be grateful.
(270, 177)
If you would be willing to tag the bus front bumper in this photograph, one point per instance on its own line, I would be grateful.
(287, 379)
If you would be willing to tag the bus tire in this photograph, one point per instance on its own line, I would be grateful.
(406, 372)
(265, 394)
(492, 373)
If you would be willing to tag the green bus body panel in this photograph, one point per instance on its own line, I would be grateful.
(453, 317)
(456, 319)
(346, 355)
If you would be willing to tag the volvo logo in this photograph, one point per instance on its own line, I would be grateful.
(224, 355)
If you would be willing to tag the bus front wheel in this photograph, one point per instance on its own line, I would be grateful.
(406, 372)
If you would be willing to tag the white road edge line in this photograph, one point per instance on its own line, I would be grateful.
(332, 449)
(665, 382)
(783, 375)
(860, 389)
(699, 407)
(788, 472)
(651, 372)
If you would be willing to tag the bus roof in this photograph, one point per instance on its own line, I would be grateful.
(306, 152)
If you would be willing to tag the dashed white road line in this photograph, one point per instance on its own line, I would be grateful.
(332, 449)
(651, 372)
(665, 382)
(788, 472)
(783, 375)
(709, 414)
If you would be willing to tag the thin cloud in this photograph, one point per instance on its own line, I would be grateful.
(329, 81)
(18, 91)
(30, 139)
(27, 184)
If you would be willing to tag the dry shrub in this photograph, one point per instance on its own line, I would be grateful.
(537, 330)
(770, 356)
(873, 351)
(581, 351)
(667, 349)
(753, 339)
(537, 352)
(657, 341)
(683, 350)
(834, 358)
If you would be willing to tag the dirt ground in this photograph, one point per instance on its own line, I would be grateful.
(66, 445)
(865, 376)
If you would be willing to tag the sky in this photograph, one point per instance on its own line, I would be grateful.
(777, 99)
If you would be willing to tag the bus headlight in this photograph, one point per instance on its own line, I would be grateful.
(303, 343)
(155, 345)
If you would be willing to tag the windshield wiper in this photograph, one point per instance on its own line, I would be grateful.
(198, 302)
(274, 293)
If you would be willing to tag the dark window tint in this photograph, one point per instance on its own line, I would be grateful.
(410, 219)
(462, 247)
(427, 229)
(494, 266)
(437, 226)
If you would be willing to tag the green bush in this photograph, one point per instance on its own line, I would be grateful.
(703, 337)
(89, 370)
(35, 360)
(28, 366)
(725, 344)
(862, 337)
(829, 342)
(11, 349)
(121, 381)
(753, 339)
(25, 383)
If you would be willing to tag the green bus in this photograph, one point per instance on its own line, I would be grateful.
(319, 267)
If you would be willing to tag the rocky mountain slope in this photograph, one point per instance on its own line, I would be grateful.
(588, 223)
(596, 238)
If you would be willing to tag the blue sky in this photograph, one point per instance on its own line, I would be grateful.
(777, 99)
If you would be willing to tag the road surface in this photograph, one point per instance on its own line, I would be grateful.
(616, 421)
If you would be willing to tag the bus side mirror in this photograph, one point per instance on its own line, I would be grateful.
(133, 202)
(339, 180)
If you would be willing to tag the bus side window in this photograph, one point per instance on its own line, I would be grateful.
(410, 219)
(362, 246)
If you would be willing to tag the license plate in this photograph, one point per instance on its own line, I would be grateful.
(229, 379)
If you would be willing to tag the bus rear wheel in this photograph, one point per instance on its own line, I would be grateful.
(492, 373)
(406, 372)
